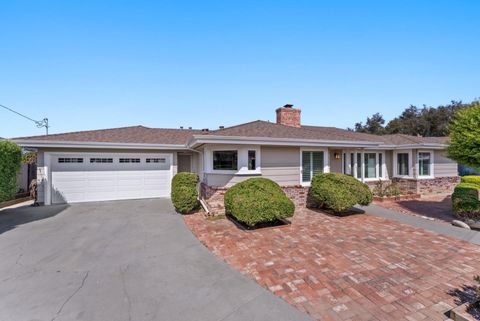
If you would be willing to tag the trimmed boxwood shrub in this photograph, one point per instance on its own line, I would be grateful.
(465, 202)
(10, 162)
(258, 200)
(471, 179)
(184, 192)
(339, 192)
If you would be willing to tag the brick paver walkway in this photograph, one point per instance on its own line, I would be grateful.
(358, 267)
(437, 207)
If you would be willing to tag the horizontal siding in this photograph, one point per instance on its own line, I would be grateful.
(225, 180)
(281, 164)
(444, 166)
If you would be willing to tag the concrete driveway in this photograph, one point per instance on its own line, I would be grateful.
(126, 260)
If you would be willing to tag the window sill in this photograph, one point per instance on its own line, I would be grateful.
(404, 177)
(425, 177)
(236, 173)
(248, 173)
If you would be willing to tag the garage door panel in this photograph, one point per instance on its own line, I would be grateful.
(83, 182)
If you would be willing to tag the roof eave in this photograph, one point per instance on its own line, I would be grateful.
(196, 140)
(77, 144)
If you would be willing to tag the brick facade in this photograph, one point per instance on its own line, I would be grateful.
(429, 186)
(288, 116)
(214, 196)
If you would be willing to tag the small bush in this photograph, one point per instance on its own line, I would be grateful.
(471, 180)
(10, 162)
(258, 200)
(185, 193)
(339, 192)
(465, 202)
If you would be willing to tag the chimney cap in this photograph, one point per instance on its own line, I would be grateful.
(288, 106)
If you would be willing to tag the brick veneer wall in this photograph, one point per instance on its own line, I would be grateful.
(214, 197)
(438, 185)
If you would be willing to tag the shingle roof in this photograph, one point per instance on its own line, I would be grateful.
(259, 128)
(133, 134)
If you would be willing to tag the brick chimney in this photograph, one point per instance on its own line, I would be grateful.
(289, 116)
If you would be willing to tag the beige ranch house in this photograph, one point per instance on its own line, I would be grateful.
(139, 162)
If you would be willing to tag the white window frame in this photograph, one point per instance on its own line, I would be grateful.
(417, 164)
(377, 166)
(242, 159)
(353, 171)
(326, 162)
(395, 163)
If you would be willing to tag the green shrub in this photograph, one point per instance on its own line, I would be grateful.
(465, 201)
(471, 179)
(339, 192)
(258, 200)
(10, 162)
(185, 193)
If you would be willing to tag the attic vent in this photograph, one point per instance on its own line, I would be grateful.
(205, 130)
(221, 127)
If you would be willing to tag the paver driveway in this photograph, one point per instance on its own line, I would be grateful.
(129, 260)
(359, 267)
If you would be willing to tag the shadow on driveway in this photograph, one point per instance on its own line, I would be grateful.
(11, 218)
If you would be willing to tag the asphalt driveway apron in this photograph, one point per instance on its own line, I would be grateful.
(125, 260)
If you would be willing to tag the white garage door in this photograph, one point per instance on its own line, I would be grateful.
(104, 177)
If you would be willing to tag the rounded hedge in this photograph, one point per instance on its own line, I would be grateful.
(339, 192)
(10, 162)
(258, 200)
(465, 200)
(184, 192)
(471, 179)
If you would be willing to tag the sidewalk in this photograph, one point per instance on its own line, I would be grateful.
(438, 227)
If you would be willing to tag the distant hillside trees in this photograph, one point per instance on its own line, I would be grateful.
(425, 121)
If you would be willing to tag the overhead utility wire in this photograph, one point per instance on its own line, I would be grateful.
(39, 123)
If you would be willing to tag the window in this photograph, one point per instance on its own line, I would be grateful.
(312, 163)
(344, 163)
(251, 160)
(129, 160)
(352, 163)
(424, 164)
(155, 160)
(370, 165)
(70, 160)
(403, 164)
(225, 160)
(101, 160)
(359, 165)
(380, 165)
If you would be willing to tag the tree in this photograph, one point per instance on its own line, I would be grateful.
(425, 121)
(374, 125)
(464, 144)
(10, 162)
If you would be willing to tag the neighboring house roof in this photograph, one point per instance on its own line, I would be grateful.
(255, 129)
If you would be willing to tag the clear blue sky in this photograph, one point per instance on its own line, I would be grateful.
(102, 64)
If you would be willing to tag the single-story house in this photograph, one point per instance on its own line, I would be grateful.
(139, 162)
